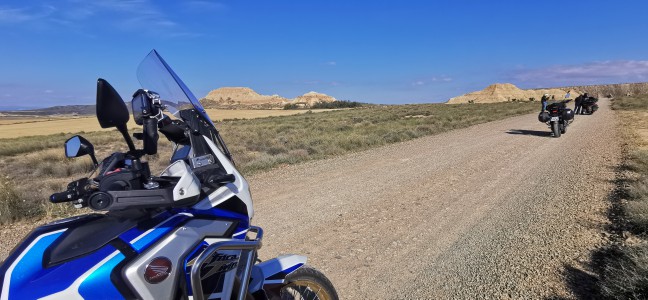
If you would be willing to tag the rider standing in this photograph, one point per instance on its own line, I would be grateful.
(579, 103)
(544, 99)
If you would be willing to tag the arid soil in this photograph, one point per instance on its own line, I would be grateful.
(498, 210)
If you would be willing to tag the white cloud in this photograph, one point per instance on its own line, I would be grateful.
(48, 91)
(587, 73)
(434, 79)
(331, 63)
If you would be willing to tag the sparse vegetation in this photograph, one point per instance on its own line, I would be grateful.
(257, 145)
(338, 104)
(291, 106)
(326, 105)
(624, 272)
(623, 267)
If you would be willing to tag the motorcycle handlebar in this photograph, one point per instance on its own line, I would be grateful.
(75, 190)
(62, 197)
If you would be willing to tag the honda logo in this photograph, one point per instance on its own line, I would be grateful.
(157, 270)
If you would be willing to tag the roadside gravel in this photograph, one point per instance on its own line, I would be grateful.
(498, 210)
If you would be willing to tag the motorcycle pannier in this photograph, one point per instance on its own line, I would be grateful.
(543, 117)
(568, 114)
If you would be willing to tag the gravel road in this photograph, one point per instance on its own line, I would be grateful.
(499, 210)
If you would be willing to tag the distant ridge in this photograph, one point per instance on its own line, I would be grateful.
(54, 110)
(615, 90)
(503, 92)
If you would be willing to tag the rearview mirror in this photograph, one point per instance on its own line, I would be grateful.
(111, 109)
(78, 146)
(141, 107)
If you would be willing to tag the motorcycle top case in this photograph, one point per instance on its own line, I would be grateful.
(568, 114)
(543, 117)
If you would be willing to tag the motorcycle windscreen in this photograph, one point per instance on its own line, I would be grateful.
(154, 74)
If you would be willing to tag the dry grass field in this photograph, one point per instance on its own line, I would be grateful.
(12, 127)
(623, 266)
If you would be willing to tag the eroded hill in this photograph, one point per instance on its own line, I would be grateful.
(243, 97)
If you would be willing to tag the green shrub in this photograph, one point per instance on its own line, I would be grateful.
(291, 106)
(337, 104)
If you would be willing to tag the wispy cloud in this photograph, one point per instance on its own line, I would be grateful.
(331, 63)
(431, 80)
(82, 17)
(24, 14)
(587, 73)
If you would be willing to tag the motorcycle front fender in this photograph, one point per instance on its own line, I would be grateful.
(274, 271)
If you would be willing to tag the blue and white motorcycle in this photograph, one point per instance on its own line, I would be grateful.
(185, 234)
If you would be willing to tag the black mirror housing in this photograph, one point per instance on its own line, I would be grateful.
(111, 109)
(78, 146)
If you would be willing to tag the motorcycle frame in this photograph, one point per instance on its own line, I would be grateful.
(250, 246)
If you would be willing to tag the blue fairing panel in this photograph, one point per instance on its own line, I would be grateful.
(21, 271)
(88, 276)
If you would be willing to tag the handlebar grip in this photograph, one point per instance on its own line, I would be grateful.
(61, 197)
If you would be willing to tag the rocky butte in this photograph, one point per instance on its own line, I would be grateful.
(504, 92)
(243, 97)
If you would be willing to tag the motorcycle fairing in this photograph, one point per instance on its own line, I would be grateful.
(239, 188)
(175, 246)
(274, 271)
(87, 276)
(32, 281)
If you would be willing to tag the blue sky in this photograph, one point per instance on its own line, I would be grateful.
(372, 51)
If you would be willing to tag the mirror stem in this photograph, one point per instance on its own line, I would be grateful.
(124, 131)
(94, 159)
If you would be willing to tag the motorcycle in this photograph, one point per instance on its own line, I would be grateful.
(185, 234)
(558, 117)
(589, 105)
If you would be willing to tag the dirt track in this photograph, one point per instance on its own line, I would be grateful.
(498, 210)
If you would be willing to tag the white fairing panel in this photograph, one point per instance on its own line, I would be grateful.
(188, 185)
(239, 187)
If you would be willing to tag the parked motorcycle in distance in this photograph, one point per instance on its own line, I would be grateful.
(558, 117)
(589, 105)
(185, 234)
